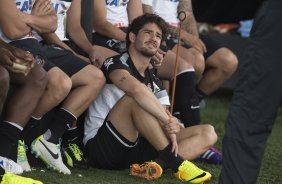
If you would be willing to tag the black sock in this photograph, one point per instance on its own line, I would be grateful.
(168, 157)
(200, 93)
(161, 162)
(63, 120)
(9, 135)
(186, 105)
(31, 131)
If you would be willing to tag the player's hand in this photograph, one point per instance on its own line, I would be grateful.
(172, 126)
(13, 63)
(174, 144)
(194, 41)
(26, 58)
(95, 59)
(42, 7)
(158, 58)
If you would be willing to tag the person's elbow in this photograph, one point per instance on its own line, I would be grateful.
(14, 33)
(54, 23)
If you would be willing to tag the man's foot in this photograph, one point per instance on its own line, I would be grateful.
(211, 156)
(9, 178)
(74, 156)
(50, 154)
(22, 159)
(148, 170)
(190, 173)
(10, 166)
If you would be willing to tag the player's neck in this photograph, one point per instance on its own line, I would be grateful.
(140, 61)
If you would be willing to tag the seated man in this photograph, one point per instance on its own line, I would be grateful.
(17, 67)
(127, 124)
(110, 23)
(83, 81)
(218, 64)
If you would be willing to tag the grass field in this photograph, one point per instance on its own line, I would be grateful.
(215, 113)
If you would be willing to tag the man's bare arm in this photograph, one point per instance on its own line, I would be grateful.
(74, 28)
(11, 22)
(134, 9)
(189, 24)
(171, 29)
(101, 24)
(43, 18)
(140, 93)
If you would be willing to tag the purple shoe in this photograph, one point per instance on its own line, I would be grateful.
(211, 156)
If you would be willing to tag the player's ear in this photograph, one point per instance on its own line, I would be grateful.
(132, 37)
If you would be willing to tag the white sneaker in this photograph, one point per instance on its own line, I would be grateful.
(22, 159)
(50, 154)
(10, 166)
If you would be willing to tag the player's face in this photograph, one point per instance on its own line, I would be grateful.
(148, 39)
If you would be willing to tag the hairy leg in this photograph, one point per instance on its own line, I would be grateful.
(86, 86)
(57, 89)
(220, 66)
(26, 97)
(130, 120)
(195, 140)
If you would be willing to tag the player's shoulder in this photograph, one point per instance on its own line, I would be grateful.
(118, 59)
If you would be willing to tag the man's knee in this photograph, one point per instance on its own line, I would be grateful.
(209, 133)
(59, 84)
(225, 60)
(38, 77)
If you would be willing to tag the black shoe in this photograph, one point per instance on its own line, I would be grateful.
(73, 156)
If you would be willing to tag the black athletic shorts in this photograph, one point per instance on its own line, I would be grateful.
(212, 45)
(76, 48)
(113, 44)
(54, 56)
(110, 150)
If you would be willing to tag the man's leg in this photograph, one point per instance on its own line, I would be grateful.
(130, 120)
(20, 107)
(220, 66)
(256, 99)
(186, 106)
(86, 85)
(195, 140)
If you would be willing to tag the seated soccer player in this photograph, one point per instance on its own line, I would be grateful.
(213, 63)
(127, 123)
(110, 22)
(17, 67)
(81, 80)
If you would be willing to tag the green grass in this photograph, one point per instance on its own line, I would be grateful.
(215, 113)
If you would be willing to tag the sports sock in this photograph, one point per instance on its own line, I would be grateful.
(63, 120)
(31, 131)
(161, 162)
(9, 135)
(170, 159)
(186, 106)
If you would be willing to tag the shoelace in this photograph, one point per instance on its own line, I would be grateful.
(76, 151)
(22, 151)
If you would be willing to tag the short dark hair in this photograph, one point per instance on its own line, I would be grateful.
(139, 22)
